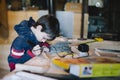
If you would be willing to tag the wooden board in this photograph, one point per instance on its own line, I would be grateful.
(3, 23)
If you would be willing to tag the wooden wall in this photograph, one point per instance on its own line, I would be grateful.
(15, 17)
(3, 22)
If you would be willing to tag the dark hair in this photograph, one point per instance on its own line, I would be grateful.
(50, 25)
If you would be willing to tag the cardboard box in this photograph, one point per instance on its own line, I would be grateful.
(91, 66)
(96, 70)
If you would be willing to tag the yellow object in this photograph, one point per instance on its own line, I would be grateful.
(60, 64)
(66, 62)
(96, 70)
(99, 39)
(95, 40)
(102, 67)
(100, 70)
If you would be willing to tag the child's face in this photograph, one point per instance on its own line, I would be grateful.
(41, 36)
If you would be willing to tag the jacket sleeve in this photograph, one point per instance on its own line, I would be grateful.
(21, 56)
(20, 53)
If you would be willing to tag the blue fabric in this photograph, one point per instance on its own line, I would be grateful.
(24, 33)
(21, 42)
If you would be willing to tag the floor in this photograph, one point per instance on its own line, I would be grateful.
(3, 72)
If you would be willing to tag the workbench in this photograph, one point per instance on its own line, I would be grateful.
(40, 61)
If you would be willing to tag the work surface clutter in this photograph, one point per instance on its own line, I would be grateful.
(81, 58)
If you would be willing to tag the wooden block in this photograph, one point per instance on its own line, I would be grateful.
(77, 25)
(75, 7)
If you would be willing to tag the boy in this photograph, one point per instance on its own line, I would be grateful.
(31, 38)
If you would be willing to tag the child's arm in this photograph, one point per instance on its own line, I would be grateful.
(21, 56)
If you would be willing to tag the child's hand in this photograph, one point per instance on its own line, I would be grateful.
(36, 50)
(45, 49)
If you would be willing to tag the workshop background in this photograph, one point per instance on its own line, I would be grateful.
(97, 18)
